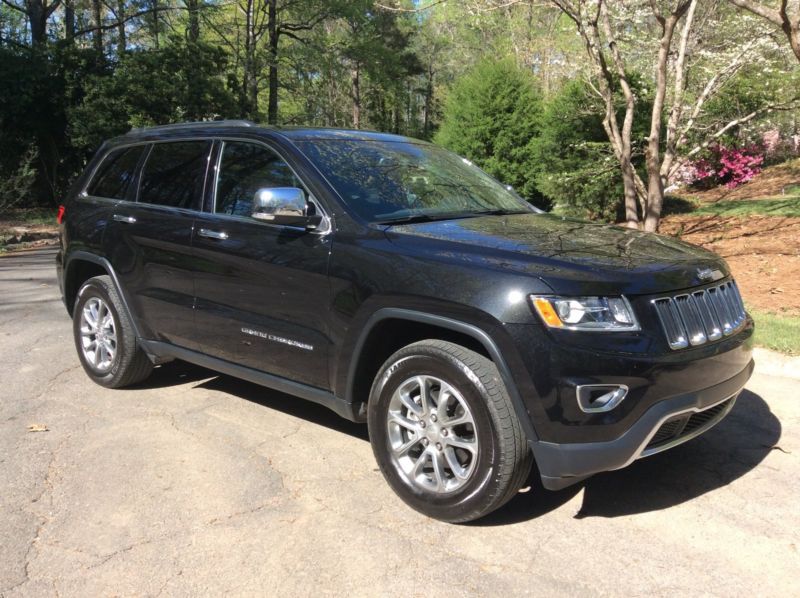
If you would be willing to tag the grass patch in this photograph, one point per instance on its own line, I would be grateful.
(777, 332)
(784, 206)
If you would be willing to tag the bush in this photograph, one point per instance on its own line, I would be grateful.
(576, 168)
(17, 188)
(729, 166)
(492, 117)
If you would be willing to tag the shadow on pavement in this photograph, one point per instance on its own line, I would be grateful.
(294, 406)
(174, 373)
(723, 454)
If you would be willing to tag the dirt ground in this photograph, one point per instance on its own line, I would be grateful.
(762, 251)
(18, 234)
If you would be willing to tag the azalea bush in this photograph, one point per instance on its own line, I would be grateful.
(729, 166)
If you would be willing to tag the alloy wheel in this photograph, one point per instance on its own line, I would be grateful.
(432, 434)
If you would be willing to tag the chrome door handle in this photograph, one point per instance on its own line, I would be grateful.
(212, 234)
(123, 218)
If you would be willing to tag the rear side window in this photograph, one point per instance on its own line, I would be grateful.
(244, 169)
(174, 173)
(116, 173)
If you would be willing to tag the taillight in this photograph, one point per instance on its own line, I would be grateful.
(60, 216)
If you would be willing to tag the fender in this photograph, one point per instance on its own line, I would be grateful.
(106, 265)
(457, 326)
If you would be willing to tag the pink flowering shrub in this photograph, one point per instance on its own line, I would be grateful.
(729, 166)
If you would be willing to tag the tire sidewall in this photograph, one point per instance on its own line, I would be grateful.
(95, 288)
(430, 361)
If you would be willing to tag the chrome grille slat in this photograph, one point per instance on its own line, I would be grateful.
(701, 316)
(672, 323)
(710, 322)
(692, 321)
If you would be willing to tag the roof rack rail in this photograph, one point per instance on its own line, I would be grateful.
(199, 123)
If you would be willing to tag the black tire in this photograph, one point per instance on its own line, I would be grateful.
(130, 363)
(503, 458)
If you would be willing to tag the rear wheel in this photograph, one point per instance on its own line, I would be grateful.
(104, 336)
(444, 431)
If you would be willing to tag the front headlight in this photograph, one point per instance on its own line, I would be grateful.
(586, 313)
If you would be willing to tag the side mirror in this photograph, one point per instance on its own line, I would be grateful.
(283, 205)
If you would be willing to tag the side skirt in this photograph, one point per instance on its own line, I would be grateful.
(161, 351)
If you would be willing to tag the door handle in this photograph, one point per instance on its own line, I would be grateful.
(212, 234)
(124, 218)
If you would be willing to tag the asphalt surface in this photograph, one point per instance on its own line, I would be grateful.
(199, 484)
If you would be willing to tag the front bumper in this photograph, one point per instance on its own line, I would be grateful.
(563, 464)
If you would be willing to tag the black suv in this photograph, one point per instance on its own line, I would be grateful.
(399, 285)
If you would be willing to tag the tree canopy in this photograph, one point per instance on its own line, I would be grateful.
(592, 105)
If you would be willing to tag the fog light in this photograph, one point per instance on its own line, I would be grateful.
(599, 398)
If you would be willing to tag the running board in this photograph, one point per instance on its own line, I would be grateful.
(160, 351)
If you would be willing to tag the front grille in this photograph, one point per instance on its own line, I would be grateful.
(686, 426)
(701, 316)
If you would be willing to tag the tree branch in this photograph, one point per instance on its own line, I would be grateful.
(760, 10)
(788, 105)
(117, 23)
(14, 6)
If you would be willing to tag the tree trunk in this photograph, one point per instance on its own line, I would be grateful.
(250, 77)
(426, 122)
(629, 188)
(69, 21)
(356, 93)
(193, 32)
(274, 38)
(97, 21)
(155, 23)
(655, 180)
(122, 43)
(655, 185)
(37, 14)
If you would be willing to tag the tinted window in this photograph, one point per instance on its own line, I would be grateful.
(173, 174)
(244, 169)
(393, 180)
(116, 173)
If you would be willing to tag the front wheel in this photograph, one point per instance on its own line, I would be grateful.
(444, 431)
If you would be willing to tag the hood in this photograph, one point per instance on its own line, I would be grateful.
(570, 256)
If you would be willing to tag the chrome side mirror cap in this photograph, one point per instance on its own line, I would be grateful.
(280, 205)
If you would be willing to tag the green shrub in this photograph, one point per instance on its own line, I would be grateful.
(576, 168)
(491, 116)
(16, 189)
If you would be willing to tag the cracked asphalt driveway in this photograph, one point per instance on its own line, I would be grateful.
(196, 483)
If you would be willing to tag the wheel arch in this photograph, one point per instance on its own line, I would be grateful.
(80, 266)
(367, 355)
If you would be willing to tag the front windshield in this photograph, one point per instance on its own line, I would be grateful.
(388, 181)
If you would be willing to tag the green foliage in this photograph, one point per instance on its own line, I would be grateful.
(492, 116)
(16, 188)
(576, 169)
(179, 81)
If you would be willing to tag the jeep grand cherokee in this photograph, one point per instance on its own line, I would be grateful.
(399, 285)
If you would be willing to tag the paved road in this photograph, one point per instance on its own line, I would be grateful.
(201, 484)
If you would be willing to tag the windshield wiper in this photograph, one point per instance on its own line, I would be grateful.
(423, 218)
(500, 212)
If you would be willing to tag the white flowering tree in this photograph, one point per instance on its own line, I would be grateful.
(693, 48)
(783, 13)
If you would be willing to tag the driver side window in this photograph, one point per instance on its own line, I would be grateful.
(244, 169)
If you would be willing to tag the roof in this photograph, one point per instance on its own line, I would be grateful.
(294, 133)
